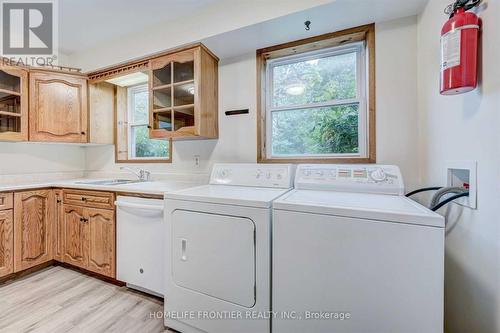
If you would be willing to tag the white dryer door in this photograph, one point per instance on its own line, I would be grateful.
(214, 255)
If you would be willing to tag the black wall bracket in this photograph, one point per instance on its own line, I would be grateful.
(236, 112)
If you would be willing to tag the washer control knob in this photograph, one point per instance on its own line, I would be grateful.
(223, 173)
(378, 175)
(268, 175)
(279, 176)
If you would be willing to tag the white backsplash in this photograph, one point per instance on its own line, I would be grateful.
(27, 178)
(194, 177)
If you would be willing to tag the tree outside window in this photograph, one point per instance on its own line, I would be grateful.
(141, 146)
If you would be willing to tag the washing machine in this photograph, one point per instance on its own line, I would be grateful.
(218, 238)
(352, 254)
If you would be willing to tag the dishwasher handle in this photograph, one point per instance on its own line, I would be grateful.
(138, 206)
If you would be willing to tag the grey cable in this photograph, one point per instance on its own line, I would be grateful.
(436, 198)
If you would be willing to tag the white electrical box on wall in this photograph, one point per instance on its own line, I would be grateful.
(463, 174)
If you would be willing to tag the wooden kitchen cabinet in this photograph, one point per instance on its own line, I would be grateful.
(6, 243)
(13, 103)
(93, 199)
(101, 240)
(183, 95)
(58, 234)
(89, 231)
(33, 220)
(58, 109)
(75, 239)
(6, 201)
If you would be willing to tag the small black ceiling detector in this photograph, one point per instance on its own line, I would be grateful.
(308, 25)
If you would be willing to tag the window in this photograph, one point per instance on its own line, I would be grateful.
(141, 147)
(317, 99)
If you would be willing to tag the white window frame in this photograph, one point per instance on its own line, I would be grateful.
(131, 91)
(361, 98)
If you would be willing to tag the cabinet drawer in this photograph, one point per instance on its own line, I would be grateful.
(6, 200)
(94, 199)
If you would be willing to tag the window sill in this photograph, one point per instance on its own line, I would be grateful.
(145, 161)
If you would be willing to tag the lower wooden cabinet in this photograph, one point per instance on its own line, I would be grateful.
(50, 224)
(58, 235)
(6, 243)
(74, 236)
(101, 240)
(89, 237)
(33, 239)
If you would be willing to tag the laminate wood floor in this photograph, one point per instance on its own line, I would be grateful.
(57, 299)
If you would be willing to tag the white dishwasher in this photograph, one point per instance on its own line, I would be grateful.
(140, 244)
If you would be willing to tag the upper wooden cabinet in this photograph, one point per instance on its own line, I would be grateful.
(183, 95)
(101, 107)
(13, 103)
(33, 221)
(58, 107)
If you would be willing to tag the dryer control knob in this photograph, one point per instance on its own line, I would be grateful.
(378, 175)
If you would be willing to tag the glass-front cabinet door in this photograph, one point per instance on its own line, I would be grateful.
(176, 98)
(13, 104)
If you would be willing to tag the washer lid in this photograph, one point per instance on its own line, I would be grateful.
(392, 208)
(259, 197)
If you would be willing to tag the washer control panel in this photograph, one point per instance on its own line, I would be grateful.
(256, 175)
(374, 178)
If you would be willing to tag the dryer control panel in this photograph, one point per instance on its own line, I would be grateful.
(255, 175)
(383, 179)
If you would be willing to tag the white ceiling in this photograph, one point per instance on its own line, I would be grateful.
(86, 23)
(335, 16)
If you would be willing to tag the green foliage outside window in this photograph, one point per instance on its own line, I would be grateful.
(142, 145)
(298, 129)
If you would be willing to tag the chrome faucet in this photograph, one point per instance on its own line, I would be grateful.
(142, 174)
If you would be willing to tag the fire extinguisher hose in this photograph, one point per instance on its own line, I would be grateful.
(465, 4)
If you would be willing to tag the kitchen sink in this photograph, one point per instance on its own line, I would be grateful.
(108, 182)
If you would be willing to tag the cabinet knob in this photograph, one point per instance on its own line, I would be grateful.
(83, 133)
(58, 201)
(149, 126)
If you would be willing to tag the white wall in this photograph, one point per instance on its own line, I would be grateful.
(219, 17)
(396, 96)
(465, 127)
(22, 158)
(396, 111)
(237, 134)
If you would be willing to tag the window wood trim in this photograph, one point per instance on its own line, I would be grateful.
(362, 33)
(117, 145)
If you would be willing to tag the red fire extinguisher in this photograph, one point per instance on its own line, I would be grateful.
(459, 48)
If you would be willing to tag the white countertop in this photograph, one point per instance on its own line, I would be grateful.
(151, 187)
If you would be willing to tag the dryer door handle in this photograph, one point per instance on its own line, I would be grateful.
(183, 249)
